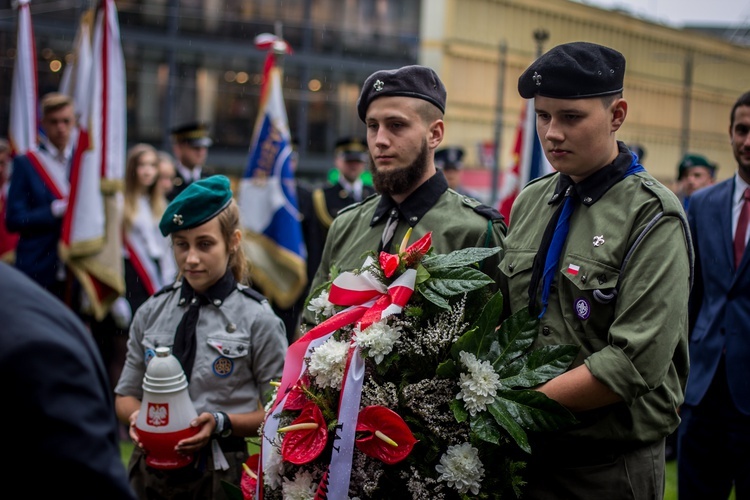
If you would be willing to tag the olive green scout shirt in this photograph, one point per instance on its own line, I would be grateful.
(456, 222)
(631, 324)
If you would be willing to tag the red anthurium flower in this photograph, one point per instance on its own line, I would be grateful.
(418, 249)
(297, 398)
(388, 263)
(383, 434)
(249, 479)
(303, 443)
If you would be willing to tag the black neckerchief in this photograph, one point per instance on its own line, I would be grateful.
(416, 205)
(218, 291)
(593, 187)
(184, 340)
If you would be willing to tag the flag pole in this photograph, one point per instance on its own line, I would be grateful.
(499, 109)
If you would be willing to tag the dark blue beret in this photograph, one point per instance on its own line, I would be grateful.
(574, 71)
(450, 157)
(200, 202)
(415, 81)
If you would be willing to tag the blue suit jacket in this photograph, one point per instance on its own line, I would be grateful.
(720, 300)
(28, 213)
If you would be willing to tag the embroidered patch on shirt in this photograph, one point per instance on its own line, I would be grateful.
(223, 366)
(582, 307)
(573, 269)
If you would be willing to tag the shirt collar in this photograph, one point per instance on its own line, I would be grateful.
(216, 294)
(593, 187)
(739, 189)
(66, 153)
(413, 208)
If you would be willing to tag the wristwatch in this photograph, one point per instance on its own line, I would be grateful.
(223, 424)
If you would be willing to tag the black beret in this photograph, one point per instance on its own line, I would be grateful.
(352, 148)
(691, 160)
(200, 202)
(195, 133)
(450, 158)
(415, 81)
(574, 71)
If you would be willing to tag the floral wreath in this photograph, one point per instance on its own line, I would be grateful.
(408, 388)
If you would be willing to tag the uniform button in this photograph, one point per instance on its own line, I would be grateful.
(511, 267)
(583, 279)
(217, 302)
(193, 300)
(240, 348)
(602, 279)
(226, 350)
(649, 183)
(413, 219)
(546, 331)
(231, 327)
(182, 302)
(588, 199)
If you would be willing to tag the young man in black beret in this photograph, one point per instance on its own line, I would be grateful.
(403, 111)
(599, 251)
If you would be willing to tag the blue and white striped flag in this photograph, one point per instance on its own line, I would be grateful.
(268, 199)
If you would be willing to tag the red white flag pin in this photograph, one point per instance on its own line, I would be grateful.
(573, 269)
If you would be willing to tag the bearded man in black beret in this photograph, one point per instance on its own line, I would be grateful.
(403, 111)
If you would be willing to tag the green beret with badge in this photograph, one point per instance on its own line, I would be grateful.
(691, 160)
(200, 202)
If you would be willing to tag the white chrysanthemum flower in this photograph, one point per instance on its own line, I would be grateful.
(302, 487)
(327, 363)
(461, 468)
(378, 339)
(479, 386)
(320, 305)
(273, 470)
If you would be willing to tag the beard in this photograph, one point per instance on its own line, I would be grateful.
(400, 180)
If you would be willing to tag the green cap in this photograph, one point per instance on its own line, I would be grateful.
(691, 160)
(200, 202)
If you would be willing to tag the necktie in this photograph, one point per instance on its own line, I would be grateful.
(546, 260)
(389, 231)
(184, 340)
(741, 230)
(553, 240)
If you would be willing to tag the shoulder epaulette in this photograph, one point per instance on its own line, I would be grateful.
(488, 213)
(355, 205)
(172, 286)
(252, 293)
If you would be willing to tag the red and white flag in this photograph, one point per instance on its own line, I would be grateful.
(529, 163)
(24, 128)
(91, 242)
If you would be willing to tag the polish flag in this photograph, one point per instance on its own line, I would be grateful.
(573, 269)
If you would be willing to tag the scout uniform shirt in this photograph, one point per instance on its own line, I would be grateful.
(620, 293)
(240, 346)
(455, 221)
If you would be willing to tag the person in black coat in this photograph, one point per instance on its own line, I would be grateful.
(58, 406)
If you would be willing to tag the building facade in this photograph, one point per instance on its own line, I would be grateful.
(195, 59)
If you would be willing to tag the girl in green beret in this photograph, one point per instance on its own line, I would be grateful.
(226, 336)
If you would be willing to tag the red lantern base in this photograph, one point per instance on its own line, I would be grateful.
(159, 446)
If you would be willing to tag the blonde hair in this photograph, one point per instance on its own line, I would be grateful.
(229, 222)
(132, 187)
(54, 101)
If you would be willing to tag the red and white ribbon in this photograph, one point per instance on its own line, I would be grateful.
(370, 301)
